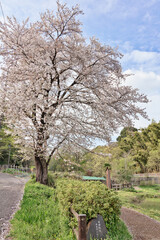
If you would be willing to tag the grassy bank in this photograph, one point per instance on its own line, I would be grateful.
(145, 199)
(39, 218)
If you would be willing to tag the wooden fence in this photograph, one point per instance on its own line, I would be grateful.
(81, 233)
(121, 186)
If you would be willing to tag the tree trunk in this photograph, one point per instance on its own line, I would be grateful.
(41, 170)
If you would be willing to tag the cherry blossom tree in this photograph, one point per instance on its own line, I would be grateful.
(58, 87)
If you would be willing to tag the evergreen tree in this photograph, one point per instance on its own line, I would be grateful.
(9, 152)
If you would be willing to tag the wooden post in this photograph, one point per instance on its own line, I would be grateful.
(82, 227)
(108, 178)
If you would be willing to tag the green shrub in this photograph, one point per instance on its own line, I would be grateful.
(90, 198)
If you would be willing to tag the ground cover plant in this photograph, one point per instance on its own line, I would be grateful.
(41, 219)
(145, 199)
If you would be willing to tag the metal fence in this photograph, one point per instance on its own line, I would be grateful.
(17, 168)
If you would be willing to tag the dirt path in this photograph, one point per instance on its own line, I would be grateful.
(140, 226)
(11, 192)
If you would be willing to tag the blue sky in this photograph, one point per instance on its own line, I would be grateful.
(132, 25)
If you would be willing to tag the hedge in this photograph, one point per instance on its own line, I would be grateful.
(90, 198)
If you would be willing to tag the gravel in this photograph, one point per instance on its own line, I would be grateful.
(140, 226)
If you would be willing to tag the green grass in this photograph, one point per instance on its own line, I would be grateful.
(146, 200)
(39, 218)
(119, 232)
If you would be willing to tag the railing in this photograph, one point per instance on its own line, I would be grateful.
(17, 168)
(81, 233)
(144, 180)
(121, 186)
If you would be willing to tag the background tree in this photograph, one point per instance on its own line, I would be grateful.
(125, 131)
(9, 151)
(95, 161)
(141, 146)
(153, 163)
(56, 87)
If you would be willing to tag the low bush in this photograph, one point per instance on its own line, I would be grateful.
(90, 198)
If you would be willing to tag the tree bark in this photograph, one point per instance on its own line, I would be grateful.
(41, 170)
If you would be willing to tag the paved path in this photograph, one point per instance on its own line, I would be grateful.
(11, 192)
(140, 226)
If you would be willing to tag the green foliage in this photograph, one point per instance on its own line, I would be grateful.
(8, 148)
(136, 151)
(125, 131)
(124, 176)
(39, 218)
(96, 162)
(88, 198)
(153, 163)
(107, 166)
(51, 180)
(142, 147)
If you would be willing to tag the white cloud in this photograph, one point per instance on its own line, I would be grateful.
(142, 60)
(149, 84)
(141, 56)
(153, 111)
